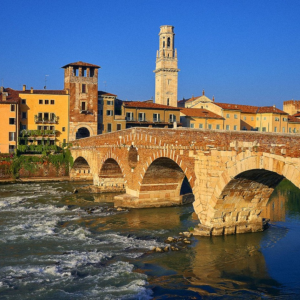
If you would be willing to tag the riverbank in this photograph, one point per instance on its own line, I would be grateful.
(35, 179)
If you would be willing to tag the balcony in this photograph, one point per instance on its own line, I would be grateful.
(40, 120)
(86, 112)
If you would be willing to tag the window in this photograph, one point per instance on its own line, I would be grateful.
(12, 107)
(290, 130)
(52, 128)
(235, 116)
(101, 112)
(91, 72)
(23, 101)
(257, 118)
(245, 118)
(172, 118)
(168, 101)
(11, 148)
(227, 116)
(40, 101)
(192, 125)
(235, 127)
(227, 127)
(252, 118)
(52, 117)
(284, 119)
(64, 141)
(83, 88)
(119, 126)
(83, 105)
(276, 119)
(264, 129)
(24, 115)
(109, 127)
(217, 126)
(265, 118)
(46, 101)
(209, 126)
(142, 117)
(109, 113)
(200, 125)
(129, 116)
(40, 127)
(275, 129)
(283, 129)
(23, 127)
(169, 80)
(168, 42)
(63, 129)
(156, 117)
(11, 136)
(12, 121)
(52, 102)
(46, 116)
(110, 102)
(83, 72)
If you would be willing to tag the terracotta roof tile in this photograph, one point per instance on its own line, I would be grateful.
(101, 93)
(297, 115)
(228, 106)
(44, 92)
(200, 112)
(144, 104)
(81, 64)
(293, 119)
(12, 97)
(270, 109)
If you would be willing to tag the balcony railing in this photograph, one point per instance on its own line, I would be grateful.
(39, 120)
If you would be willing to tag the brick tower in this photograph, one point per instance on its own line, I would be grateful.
(81, 80)
(166, 72)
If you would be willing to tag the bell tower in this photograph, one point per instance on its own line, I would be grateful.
(166, 72)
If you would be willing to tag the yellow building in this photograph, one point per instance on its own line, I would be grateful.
(201, 118)
(149, 114)
(46, 112)
(9, 107)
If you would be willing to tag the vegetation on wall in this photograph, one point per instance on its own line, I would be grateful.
(31, 163)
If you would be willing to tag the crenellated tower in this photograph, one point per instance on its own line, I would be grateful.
(81, 81)
(166, 72)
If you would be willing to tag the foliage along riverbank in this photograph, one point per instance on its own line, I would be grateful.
(15, 166)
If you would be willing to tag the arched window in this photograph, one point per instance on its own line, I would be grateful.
(163, 44)
(168, 101)
(168, 42)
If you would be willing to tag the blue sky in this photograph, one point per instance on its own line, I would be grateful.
(244, 52)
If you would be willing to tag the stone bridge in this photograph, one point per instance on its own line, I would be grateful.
(231, 174)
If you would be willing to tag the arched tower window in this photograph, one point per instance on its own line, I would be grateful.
(168, 42)
(163, 44)
(168, 101)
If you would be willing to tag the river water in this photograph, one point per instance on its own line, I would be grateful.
(59, 245)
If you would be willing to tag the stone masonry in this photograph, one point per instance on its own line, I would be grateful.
(232, 174)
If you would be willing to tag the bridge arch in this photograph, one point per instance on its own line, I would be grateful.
(243, 190)
(111, 177)
(162, 183)
(81, 169)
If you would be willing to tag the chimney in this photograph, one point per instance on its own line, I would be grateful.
(203, 93)
(24, 87)
(213, 99)
(4, 95)
(31, 90)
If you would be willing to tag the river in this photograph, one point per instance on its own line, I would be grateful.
(59, 245)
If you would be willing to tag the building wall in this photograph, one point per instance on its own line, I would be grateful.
(6, 128)
(37, 104)
(204, 123)
(271, 122)
(232, 119)
(248, 121)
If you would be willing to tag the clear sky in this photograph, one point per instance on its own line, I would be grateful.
(240, 51)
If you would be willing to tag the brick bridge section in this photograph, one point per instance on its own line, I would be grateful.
(231, 174)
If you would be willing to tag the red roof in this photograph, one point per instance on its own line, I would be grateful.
(81, 64)
(44, 92)
(270, 109)
(293, 119)
(201, 113)
(228, 106)
(297, 115)
(12, 97)
(101, 93)
(144, 104)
